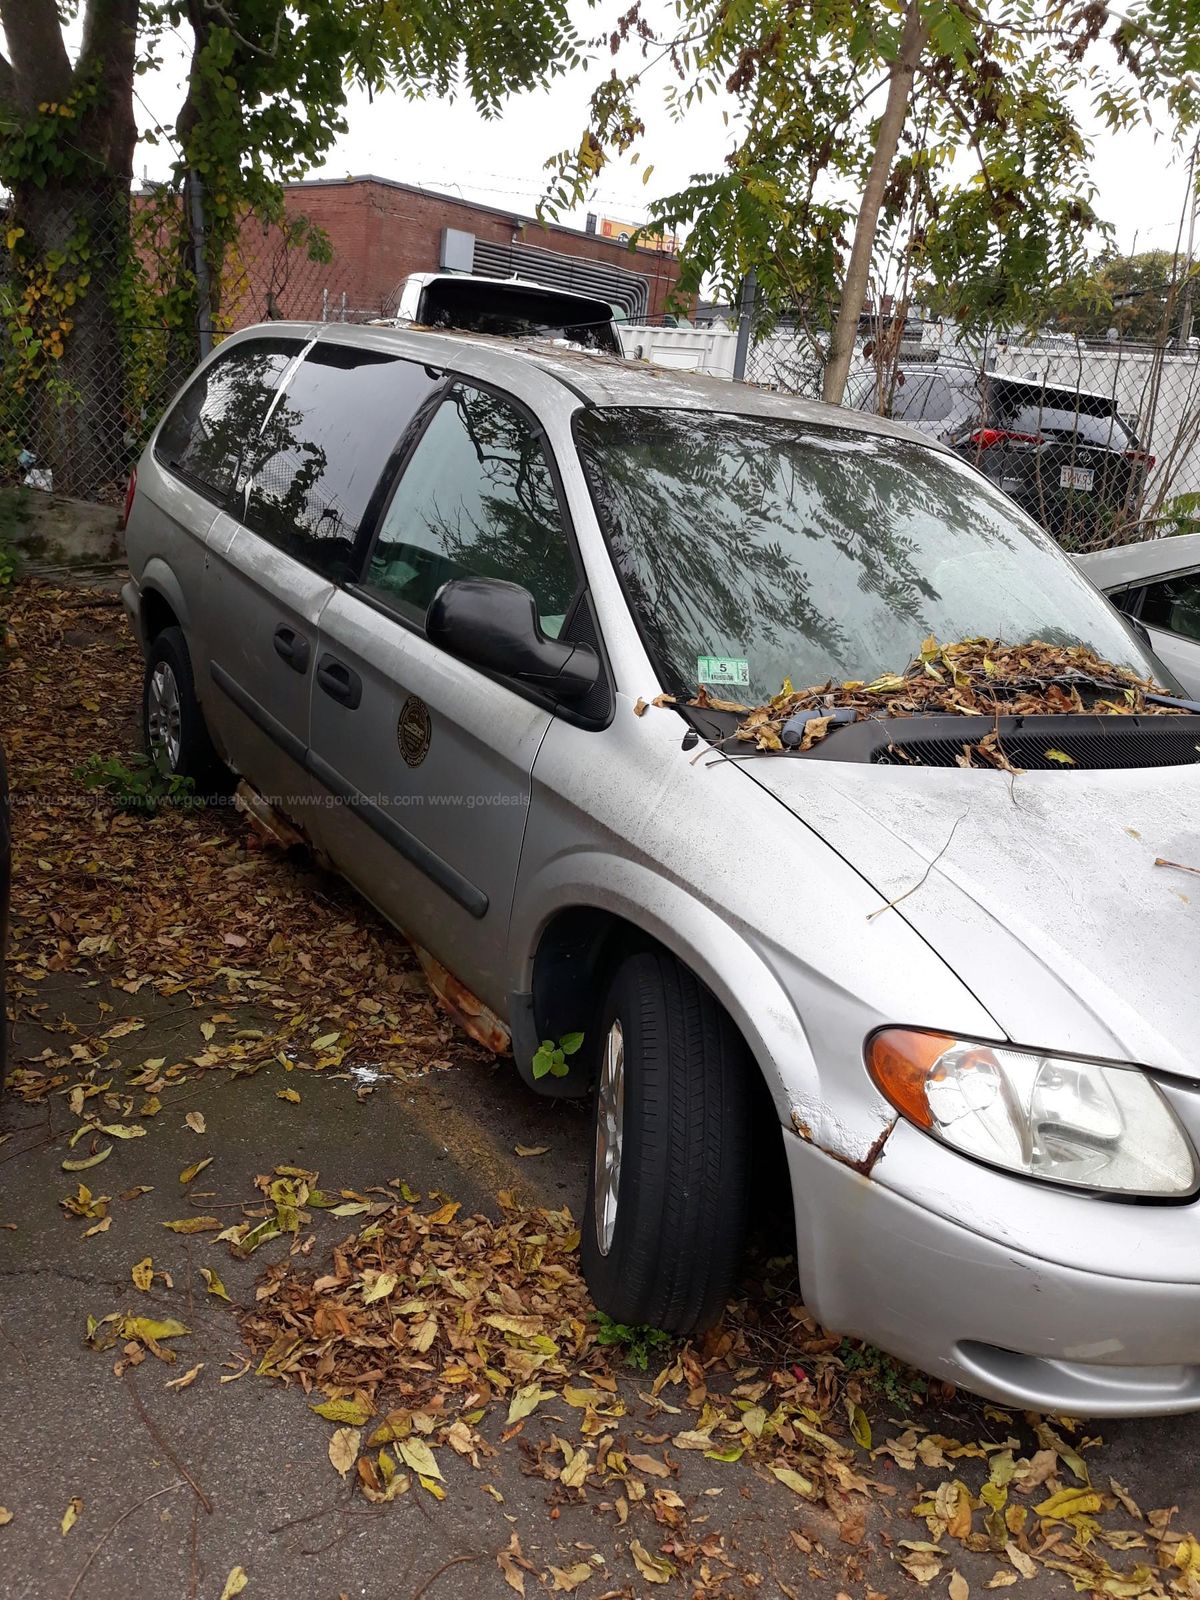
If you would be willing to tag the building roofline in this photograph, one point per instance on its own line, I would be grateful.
(515, 218)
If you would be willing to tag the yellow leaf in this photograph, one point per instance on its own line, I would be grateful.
(446, 1213)
(577, 1468)
(152, 1328)
(568, 1579)
(794, 1481)
(343, 1449)
(1004, 1576)
(83, 1162)
(288, 1094)
(195, 1121)
(1069, 1503)
(6, 1516)
(533, 1150)
(142, 1272)
(234, 1583)
(1025, 1564)
(194, 1170)
(354, 1411)
(525, 1401)
(193, 1224)
(416, 1454)
(1061, 757)
(120, 1130)
(71, 1515)
(379, 1288)
(655, 1569)
(326, 1039)
(959, 1588)
(860, 1427)
(188, 1378)
(213, 1282)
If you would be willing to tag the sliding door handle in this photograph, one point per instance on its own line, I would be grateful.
(340, 682)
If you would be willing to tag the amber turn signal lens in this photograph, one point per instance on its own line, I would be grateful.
(900, 1062)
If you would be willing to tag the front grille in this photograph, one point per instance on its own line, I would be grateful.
(1094, 743)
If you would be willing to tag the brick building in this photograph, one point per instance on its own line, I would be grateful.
(381, 230)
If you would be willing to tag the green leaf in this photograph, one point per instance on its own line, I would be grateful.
(570, 1042)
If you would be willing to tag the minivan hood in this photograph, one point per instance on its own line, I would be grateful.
(1040, 891)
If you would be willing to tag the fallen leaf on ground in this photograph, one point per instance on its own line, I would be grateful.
(655, 1569)
(213, 1283)
(142, 1273)
(194, 1170)
(343, 1449)
(188, 1378)
(71, 1515)
(234, 1583)
(531, 1149)
(195, 1121)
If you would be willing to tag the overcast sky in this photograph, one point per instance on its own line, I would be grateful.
(442, 145)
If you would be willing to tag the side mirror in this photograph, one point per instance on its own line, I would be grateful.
(494, 625)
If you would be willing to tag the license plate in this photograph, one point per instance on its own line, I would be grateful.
(1077, 478)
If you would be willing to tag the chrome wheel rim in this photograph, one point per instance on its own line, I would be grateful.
(163, 718)
(610, 1117)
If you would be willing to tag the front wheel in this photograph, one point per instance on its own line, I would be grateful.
(667, 1196)
(176, 738)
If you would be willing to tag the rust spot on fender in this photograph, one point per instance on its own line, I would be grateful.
(861, 1164)
(467, 1009)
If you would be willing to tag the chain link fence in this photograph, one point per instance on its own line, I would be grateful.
(1099, 442)
(102, 318)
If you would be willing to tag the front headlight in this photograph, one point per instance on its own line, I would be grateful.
(1082, 1123)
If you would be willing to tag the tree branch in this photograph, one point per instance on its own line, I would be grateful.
(41, 68)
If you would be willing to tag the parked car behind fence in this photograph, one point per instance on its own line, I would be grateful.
(1064, 455)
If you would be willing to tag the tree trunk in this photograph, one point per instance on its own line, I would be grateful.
(913, 38)
(79, 203)
(77, 419)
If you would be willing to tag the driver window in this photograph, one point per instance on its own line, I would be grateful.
(477, 499)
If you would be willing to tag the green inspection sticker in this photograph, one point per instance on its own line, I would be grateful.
(723, 669)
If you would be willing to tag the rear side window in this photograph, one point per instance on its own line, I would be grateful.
(320, 460)
(908, 401)
(1173, 604)
(476, 500)
(939, 402)
(204, 438)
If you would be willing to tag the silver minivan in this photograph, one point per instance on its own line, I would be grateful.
(443, 601)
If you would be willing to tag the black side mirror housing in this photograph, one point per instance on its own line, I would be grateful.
(494, 625)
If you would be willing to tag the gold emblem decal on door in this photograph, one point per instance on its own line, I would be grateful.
(414, 731)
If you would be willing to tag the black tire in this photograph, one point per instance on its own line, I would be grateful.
(196, 758)
(683, 1181)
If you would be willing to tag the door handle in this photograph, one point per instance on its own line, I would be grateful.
(339, 682)
(291, 647)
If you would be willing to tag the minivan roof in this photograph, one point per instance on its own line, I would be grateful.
(592, 377)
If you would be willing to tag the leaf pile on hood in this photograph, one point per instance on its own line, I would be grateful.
(973, 678)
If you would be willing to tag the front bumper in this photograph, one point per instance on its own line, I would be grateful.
(986, 1315)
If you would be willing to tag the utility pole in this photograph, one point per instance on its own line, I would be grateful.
(1185, 310)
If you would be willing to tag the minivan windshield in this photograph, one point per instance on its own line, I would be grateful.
(755, 549)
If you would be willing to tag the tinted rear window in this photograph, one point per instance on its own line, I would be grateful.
(205, 436)
(322, 458)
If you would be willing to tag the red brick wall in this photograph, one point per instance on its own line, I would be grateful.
(380, 233)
